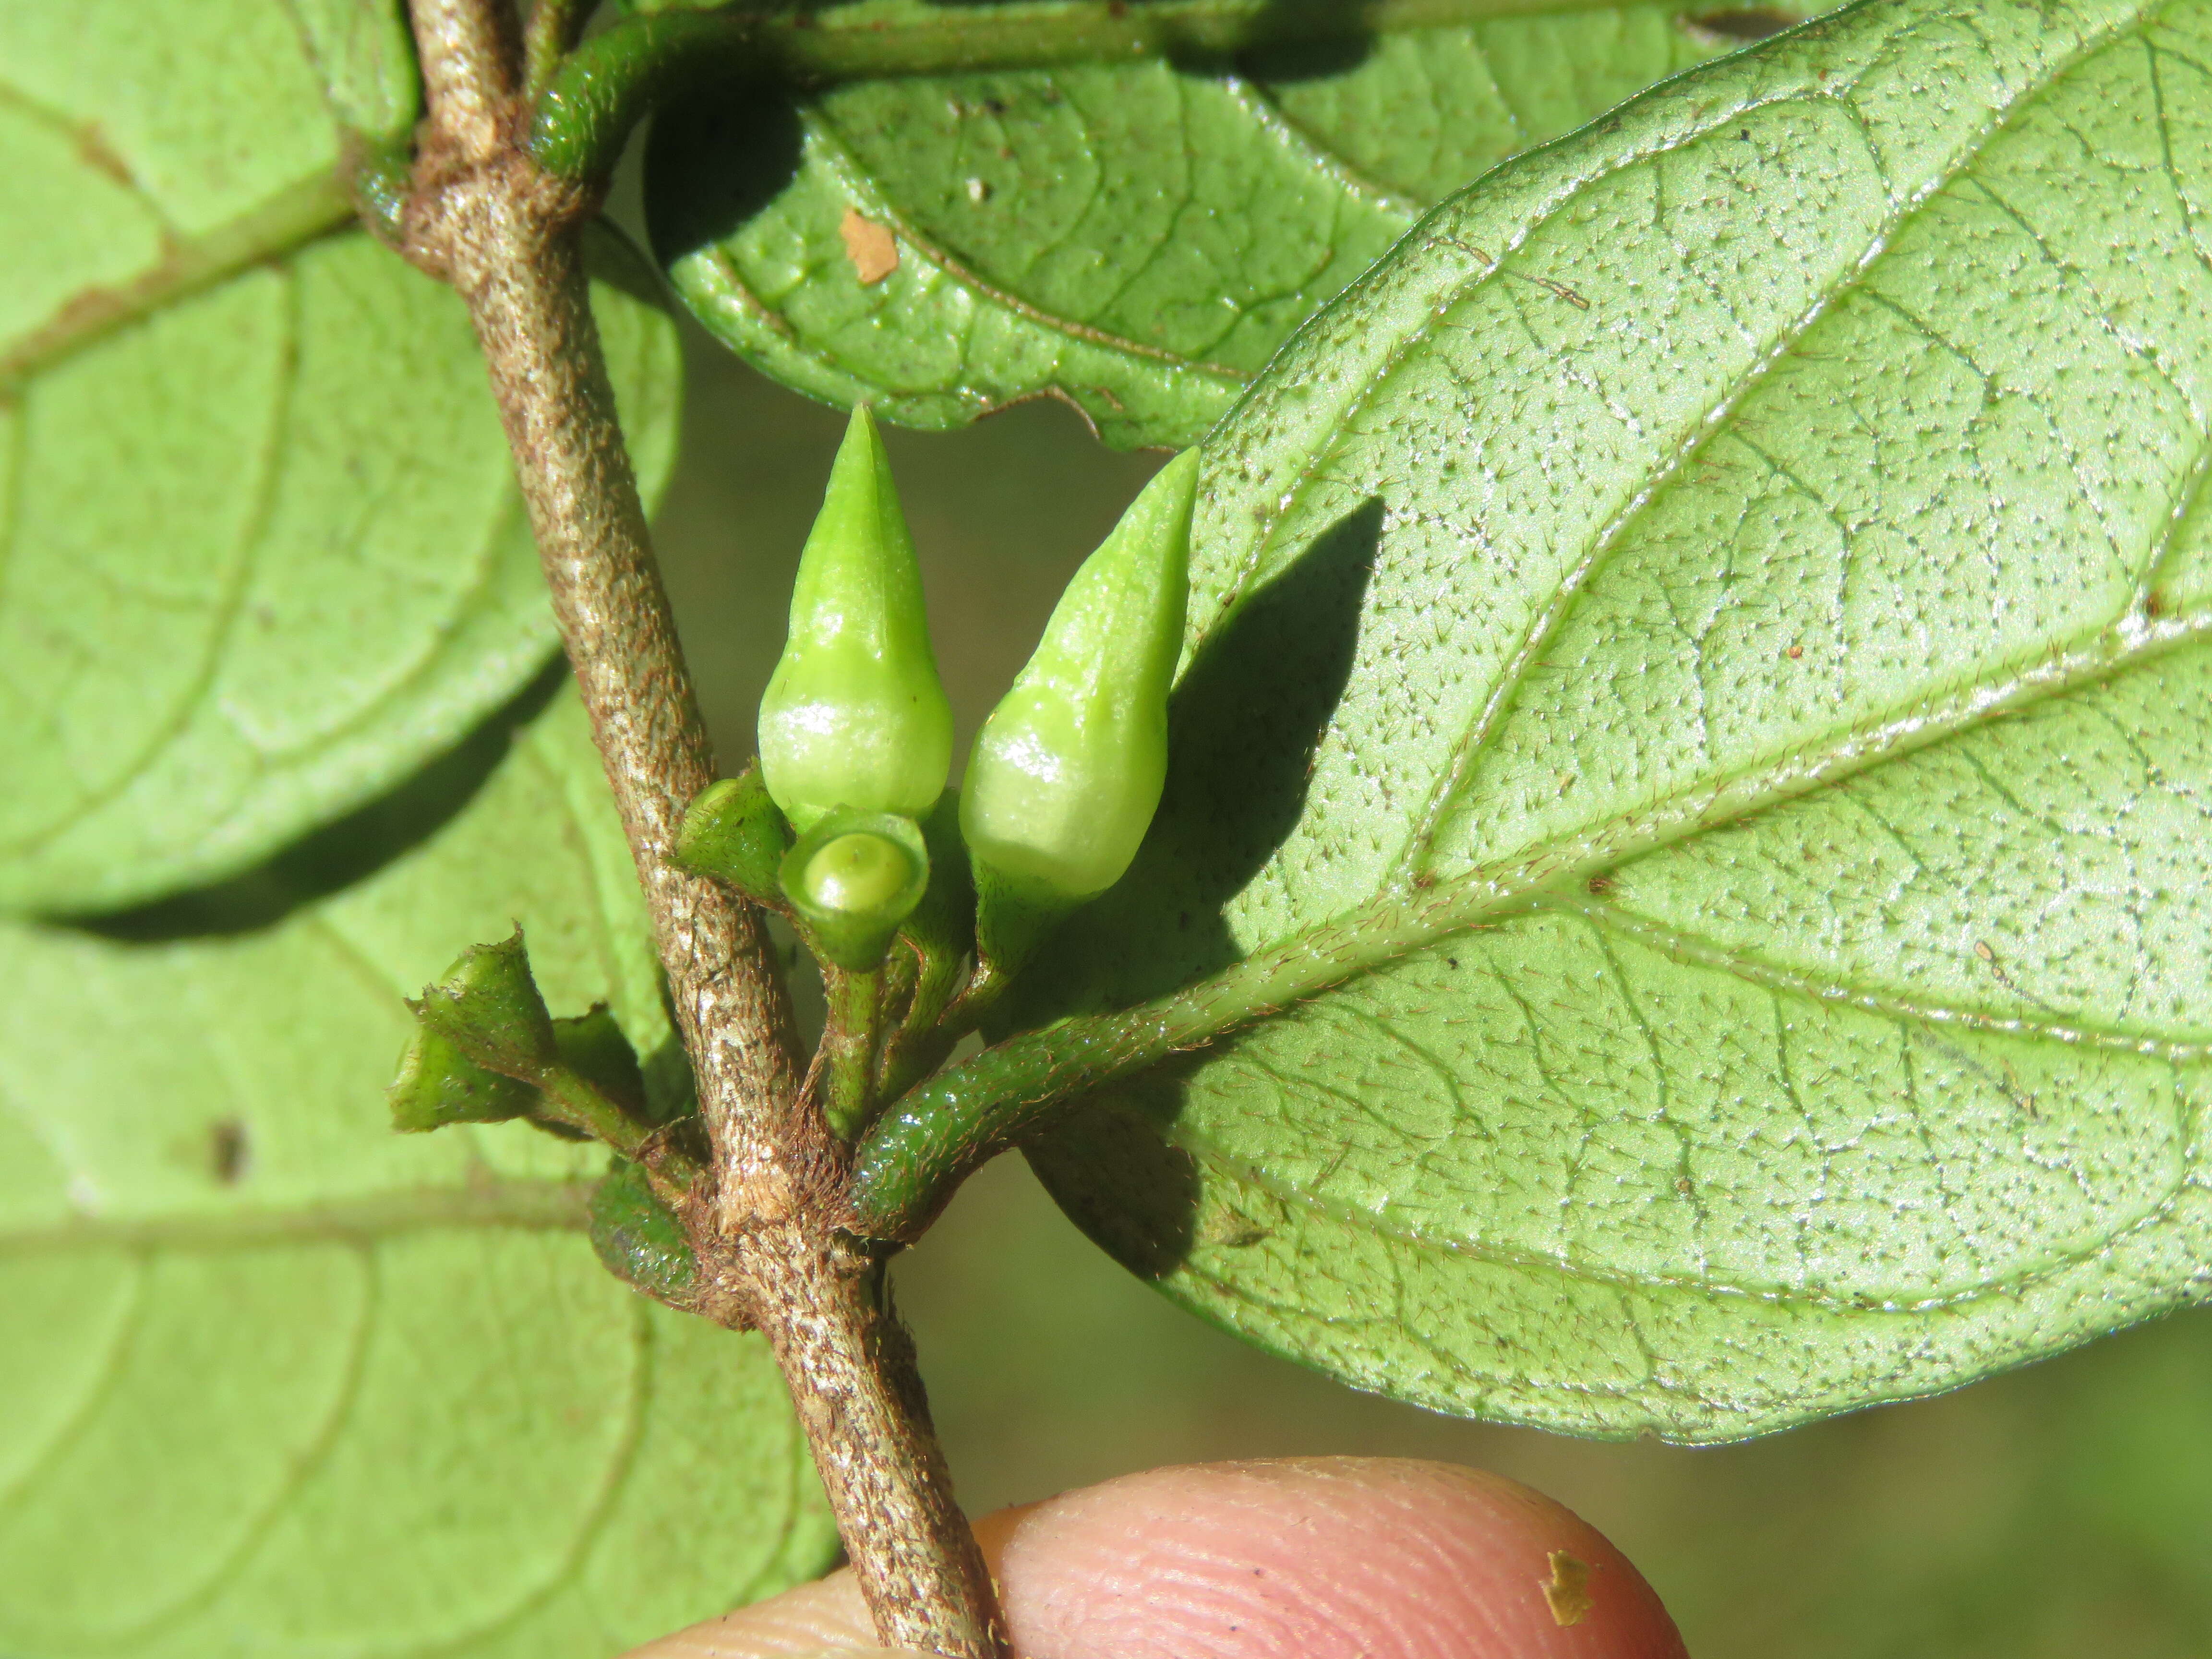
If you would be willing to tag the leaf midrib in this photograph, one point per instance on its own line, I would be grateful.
(289, 219)
(1007, 1090)
(531, 1205)
(1487, 893)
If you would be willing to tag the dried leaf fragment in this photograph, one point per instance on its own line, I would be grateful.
(871, 246)
(1567, 1591)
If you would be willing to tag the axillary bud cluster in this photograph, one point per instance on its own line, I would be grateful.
(856, 733)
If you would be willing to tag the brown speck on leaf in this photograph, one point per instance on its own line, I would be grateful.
(1996, 968)
(1737, 25)
(227, 1151)
(1794, 653)
(1599, 885)
(871, 247)
(1567, 1591)
(1562, 291)
(2154, 605)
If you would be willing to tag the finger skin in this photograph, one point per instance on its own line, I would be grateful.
(1297, 1559)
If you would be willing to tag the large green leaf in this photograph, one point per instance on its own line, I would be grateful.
(260, 552)
(1701, 652)
(1136, 238)
(2054, 1513)
(275, 1379)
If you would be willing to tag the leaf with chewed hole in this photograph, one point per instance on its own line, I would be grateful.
(1698, 706)
(276, 1380)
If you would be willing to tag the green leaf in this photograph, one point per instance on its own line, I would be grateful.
(1135, 238)
(365, 54)
(1698, 709)
(260, 553)
(149, 146)
(273, 1379)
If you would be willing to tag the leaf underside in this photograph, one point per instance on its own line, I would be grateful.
(1135, 239)
(1709, 633)
(261, 555)
(273, 1379)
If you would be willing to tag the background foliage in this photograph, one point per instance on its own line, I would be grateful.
(248, 610)
(274, 674)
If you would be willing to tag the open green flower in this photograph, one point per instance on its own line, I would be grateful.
(853, 879)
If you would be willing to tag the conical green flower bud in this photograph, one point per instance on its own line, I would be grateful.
(1068, 771)
(854, 715)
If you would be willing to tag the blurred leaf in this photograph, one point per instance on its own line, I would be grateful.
(273, 1379)
(1137, 238)
(150, 146)
(365, 54)
(1700, 650)
(264, 556)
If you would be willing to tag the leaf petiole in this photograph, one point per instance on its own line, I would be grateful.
(600, 91)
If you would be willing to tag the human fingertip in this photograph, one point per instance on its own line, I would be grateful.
(827, 1616)
(1300, 1559)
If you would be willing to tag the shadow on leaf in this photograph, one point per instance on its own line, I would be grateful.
(341, 853)
(1245, 725)
(715, 160)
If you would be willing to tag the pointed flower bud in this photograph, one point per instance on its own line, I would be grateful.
(439, 1085)
(854, 715)
(853, 879)
(1068, 771)
(487, 1007)
(732, 832)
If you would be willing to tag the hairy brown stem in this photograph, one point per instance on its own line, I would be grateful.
(482, 216)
